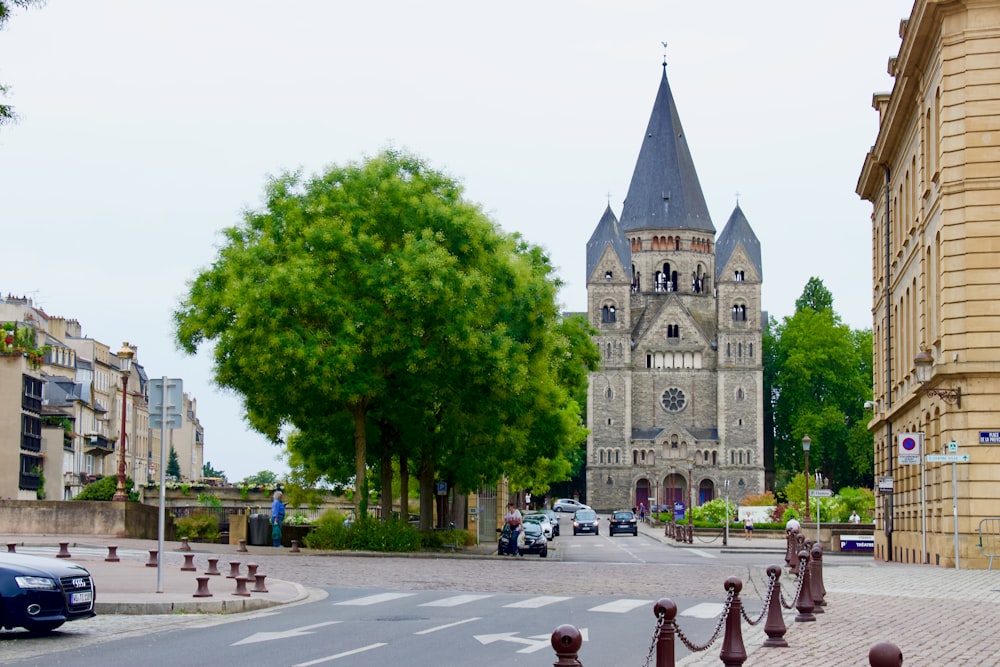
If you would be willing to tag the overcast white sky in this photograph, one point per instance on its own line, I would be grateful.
(146, 127)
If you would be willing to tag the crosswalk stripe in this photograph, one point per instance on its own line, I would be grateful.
(704, 610)
(373, 599)
(454, 600)
(536, 602)
(620, 606)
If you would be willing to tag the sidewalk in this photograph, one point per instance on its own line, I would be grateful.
(936, 616)
(130, 586)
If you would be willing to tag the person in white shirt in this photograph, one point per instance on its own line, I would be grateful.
(854, 518)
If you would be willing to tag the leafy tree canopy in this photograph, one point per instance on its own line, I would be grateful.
(262, 478)
(6, 8)
(208, 471)
(819, 374)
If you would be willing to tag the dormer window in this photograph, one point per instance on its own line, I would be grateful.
(738, 276)
(607, 275)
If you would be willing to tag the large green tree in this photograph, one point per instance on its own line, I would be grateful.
(6, 8)
(374, 293)
(818, 372)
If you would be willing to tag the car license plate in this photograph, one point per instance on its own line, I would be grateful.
(80, 598)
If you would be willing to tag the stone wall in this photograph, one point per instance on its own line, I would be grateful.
(81, 517)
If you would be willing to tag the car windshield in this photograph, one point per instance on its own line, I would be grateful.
(530, 527)
(536, 517)
(586, 515)
(624, 516)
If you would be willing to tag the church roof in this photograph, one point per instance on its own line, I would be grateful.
(608, 233)
(665, 192)
(737, 232)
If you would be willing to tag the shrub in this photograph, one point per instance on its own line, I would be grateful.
(714, 512)
(365, 535)
(204, 526)
(765, 499)
(104, 489)
(442, 539)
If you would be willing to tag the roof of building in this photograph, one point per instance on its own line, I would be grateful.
(608, 233)
(665, 192)
(737, 232)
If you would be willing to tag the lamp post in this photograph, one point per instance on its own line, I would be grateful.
(670, 501)
(125, 356)
(806, 441)
(690, 506)
(725, 538)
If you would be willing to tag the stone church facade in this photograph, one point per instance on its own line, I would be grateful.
(679, 395)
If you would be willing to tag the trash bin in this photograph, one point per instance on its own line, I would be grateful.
(259, 532)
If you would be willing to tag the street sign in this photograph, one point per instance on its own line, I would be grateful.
(885, 484)
(952, 447)
(820, 493)
(173, 395)
(989, 437)
(910, 447)
(947, 458)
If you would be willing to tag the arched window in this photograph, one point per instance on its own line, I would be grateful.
(673, 442)
(739, 394)
(617, 457)
(635, 457)
(610, 394)
(602, 456)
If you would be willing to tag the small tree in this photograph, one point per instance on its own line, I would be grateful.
(173, 465)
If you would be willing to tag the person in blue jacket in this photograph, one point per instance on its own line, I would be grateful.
(277, 518)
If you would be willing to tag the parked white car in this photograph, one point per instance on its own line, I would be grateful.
(543, 520)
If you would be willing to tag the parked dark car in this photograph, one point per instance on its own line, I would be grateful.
(659, 509)
(40, 594)
(586, 521)
(534, 540)
(623, 521)
(554, 520)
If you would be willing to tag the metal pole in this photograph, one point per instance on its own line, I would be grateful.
(163, 484)
(121, 494)
(923, 503)
(954, 506)
(725, 540)
(807, 483)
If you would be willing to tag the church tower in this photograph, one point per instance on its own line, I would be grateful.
(679, 394)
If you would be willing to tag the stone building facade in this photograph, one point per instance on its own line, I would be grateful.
(677, 404)
(933, 178)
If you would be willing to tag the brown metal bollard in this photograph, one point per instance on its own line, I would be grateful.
(885, 654)
(153, 553)
(733, 653)
(202, 591)
(774, 626)
(234, 569)
(666, 609)
(295, 547)
(252, 570)
(241, 587)
(184, 545)
(259, 586)
(188, 565)
(690, 533)
(243, 547)
(790, 546)
(804, 602)
(12, 547)
(63, 550)
(566, 642)
(213, 567)
(816, 577)
(112, 556)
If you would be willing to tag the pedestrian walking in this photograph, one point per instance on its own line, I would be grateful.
(748, 527)
(642, 512)
(512, 520)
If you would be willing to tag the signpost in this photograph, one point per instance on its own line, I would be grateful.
(819, 493)
(166, 400)
(954, 460)
(911, 446)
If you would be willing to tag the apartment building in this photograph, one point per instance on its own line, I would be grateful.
(933, 178)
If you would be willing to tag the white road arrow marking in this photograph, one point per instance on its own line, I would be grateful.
(536, 643)
(295, 632)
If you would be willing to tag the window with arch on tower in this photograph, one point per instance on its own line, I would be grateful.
(673, 331)
(738, 277)
(608, 314)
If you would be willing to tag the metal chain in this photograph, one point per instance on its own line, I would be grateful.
(660, 620)
(767, 603)
(714, 539)
(798, 590)
(694, 648)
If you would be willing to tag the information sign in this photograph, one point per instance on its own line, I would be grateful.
(857, 542)
(885, 484)
(989, 437)
(947, 458)
(820, 493)
(910, 447)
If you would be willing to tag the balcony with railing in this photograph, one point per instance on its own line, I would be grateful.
(98, 445)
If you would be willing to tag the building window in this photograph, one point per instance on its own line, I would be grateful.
(673, 400)
(739, 276)
(607, 275)
(739, 394)
(608, 314)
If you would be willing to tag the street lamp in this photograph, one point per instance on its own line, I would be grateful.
(125, 356)
(923, 363)
(806, 441)
(690, 506)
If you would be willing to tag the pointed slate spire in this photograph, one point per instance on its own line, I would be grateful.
(665, 192)
(737, 232)
(608, 233)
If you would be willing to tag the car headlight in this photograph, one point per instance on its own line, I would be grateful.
(38, 583)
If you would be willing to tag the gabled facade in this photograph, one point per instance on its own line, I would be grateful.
(933, 178)
(679, 394)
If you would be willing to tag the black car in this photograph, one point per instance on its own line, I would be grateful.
(534, 540)
(40, 594)
(623, 521)
(586, 521)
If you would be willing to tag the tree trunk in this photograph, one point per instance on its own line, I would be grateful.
(360, 459)
(386, 497)
(426, 492)
(459, 509)
(404, 487)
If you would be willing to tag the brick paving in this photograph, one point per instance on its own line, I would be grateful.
(935, 615)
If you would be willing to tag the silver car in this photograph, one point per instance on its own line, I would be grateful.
(541, 519)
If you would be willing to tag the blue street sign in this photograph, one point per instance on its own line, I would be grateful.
(989, 437)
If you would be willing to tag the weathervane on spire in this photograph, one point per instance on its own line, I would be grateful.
(737, 198)
(664, 53)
